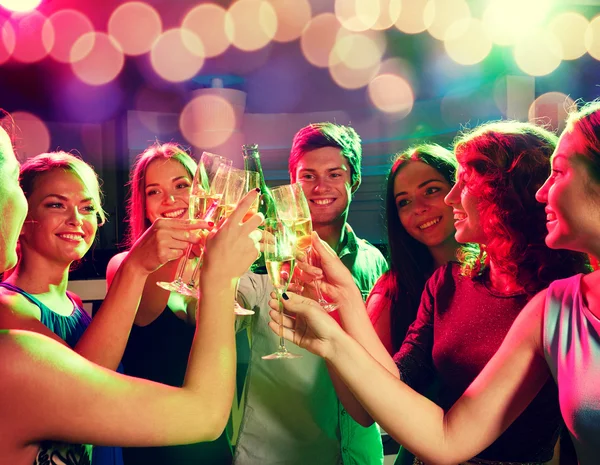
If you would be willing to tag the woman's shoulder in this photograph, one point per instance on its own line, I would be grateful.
(113, 265)
(117, 259)
(14, 303)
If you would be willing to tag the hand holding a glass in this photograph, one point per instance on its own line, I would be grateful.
(336, 281)
(240, 182)
(206, 192)
(279, 252)
(233, 246)
(165, 240)
(296, 210)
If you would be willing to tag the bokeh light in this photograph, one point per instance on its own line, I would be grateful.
(21, 6)
(30, 46)
(32, 137)
(551, 108)
(508, 21)
(7, 40)
(440, 15)
(592, 38)
(391, 93)
(207, 21)
(135, 26)
(538, 54)
(570, 28)
(207, 121)
(389, 12)
(319, 38)
(401, 67)
(357, 50)
(357, 15)
(96, 58)
(177, 55)
(66, 26)
(411, 19)
(466, 42)
(292, 16)
(351, 77)
(251, 24)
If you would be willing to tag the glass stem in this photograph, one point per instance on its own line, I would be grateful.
(196, 271)
(315, 282)
(182, 264)
(281, 338)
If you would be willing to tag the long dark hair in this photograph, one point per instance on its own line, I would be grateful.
(506, 162)
(410, 261)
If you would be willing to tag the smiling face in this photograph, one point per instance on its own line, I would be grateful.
(62, 220)
(13, 205)
(324, 175)
(419, 191)
(572, 200)
(167, 190)
(464, 203)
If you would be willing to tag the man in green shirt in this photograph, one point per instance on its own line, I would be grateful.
(292, 413)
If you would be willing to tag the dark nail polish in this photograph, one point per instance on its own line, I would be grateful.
(284, 296)
(257, 190)
(211, 224)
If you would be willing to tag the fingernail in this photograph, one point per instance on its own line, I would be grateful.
(211, 224)
(284, 296)
(257, 190)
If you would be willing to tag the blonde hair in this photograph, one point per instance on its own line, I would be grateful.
(34, 167)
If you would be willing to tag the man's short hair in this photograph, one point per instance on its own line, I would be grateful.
(319, 135)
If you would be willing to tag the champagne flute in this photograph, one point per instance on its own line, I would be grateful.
(251, 182)
(292, 206)
(280, 260)
(237, 186)
(206, 192)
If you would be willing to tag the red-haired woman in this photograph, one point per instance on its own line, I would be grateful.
(467, 309)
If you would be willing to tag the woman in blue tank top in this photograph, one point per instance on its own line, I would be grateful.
(63, 195)
(53, 399)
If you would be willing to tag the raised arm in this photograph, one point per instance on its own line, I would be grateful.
(378, 309)
(104, 340)
(339, 285)
(42, 379)
(494, 400)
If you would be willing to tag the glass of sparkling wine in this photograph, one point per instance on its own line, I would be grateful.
(208, 185)
(298, 212)
(251, 182)
(239, 183)
(280, 260)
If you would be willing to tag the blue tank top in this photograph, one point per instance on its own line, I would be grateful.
(572, 350)
(68, 328)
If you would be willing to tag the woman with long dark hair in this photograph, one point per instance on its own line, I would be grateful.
(420, 231)
(467, 309)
